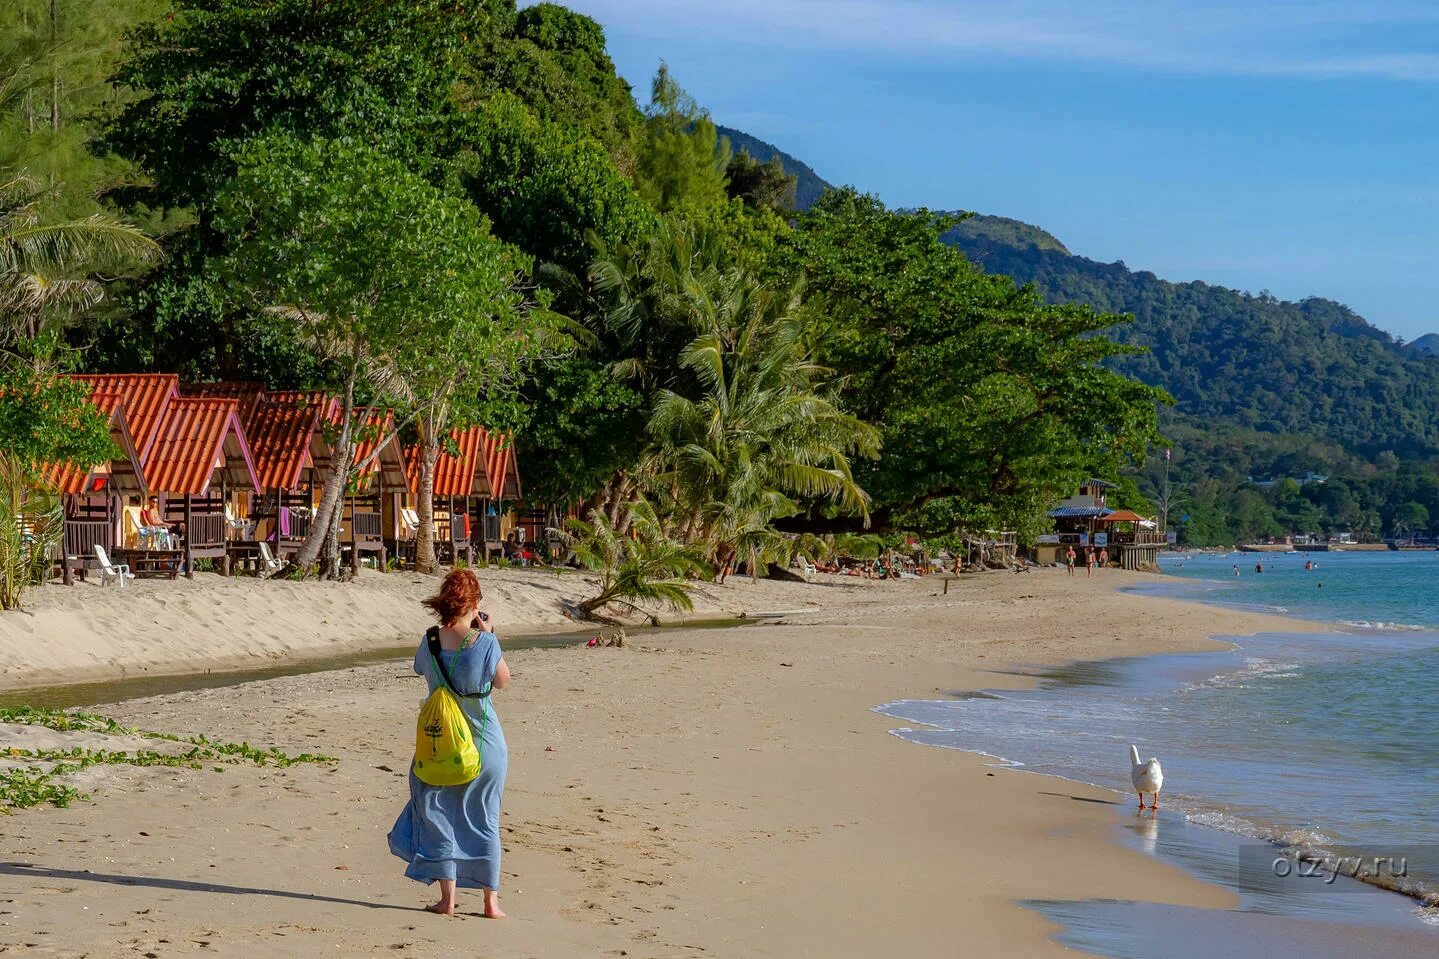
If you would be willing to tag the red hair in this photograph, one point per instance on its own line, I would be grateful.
(458, 595)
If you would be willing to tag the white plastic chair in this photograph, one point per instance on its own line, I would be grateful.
(267, 558)
(119, 572)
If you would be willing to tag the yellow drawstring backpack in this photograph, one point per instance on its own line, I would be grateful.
(445, 752)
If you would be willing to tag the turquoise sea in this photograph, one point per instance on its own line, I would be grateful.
(1312, 743)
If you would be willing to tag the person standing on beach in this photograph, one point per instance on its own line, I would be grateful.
(1088, 561)
(452, 833)
(1069, 560)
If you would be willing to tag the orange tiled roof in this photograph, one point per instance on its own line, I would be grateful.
(145, 397)
(485, 466)
(197, 436)
(500, 466)
(454, 475)
(124, 471)
(248, 394)
(377, 429)
(281, 429)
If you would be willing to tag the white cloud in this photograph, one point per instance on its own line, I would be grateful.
(1383, 38)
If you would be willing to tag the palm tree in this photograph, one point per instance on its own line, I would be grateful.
(759, 434)
(49, 271)
(644, 565)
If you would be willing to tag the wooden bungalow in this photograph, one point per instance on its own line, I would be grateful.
(493, 516)
(198, 456)
(459, 476)
(93, 497)
(144, 398)
(192, 453)
(362, 527)
(286, 430)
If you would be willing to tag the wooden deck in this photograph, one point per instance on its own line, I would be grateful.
(152, 562)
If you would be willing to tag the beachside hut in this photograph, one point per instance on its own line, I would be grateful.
(1131, 539)
(472, 485)
(286, 430)
(92, 497)
(459, 477)
(494, 519)
(199, 454)
(362, 527)
(143, 398)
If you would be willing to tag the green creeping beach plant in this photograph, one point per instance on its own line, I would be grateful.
(26, 785)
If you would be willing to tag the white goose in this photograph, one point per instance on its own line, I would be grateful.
(1146, 776)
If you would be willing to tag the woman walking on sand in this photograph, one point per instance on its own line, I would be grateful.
(1069, 560)
(452, 833)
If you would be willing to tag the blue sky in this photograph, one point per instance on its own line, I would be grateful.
(1292, 147)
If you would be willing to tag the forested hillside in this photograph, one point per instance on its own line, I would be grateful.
(1309, 367)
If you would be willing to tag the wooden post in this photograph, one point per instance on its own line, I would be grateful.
(470, 536)
(225, 569)
(189, 537)
(65, 576)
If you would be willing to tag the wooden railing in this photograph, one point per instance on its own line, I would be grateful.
(206, 530)
(458, 536)
(299, 524)
(83, 535)
(492, 528)
(365, 527)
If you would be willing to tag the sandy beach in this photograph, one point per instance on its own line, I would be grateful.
(723, 792)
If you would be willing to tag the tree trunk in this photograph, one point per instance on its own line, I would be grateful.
(425, 500)
(333, 492)
(330, 551)
(54, 70)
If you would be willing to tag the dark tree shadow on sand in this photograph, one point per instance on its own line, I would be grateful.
(32, 871)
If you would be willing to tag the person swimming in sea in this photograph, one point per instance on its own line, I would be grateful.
(1258, 567)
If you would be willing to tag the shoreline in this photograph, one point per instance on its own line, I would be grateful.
(701, 788)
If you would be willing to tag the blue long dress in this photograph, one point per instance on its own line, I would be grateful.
(453, 832)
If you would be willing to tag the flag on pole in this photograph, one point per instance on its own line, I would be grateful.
(1166, 456)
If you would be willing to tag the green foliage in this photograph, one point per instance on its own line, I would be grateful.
(548, 189)
(991, 404)
(636, 561)
(681, 159)
(554, 59)
(756, 436)
(217, 73)
(764, 186)
(809, 185)
(50, 266)
(44, 421)
(55, 59)
(368, 260)
(30, 785)
(584, 426)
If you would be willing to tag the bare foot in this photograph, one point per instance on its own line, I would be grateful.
(441, 908)
(492, 908)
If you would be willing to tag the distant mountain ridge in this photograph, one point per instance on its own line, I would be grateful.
(809, 185)
(1428, 344)
(1312, 367)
